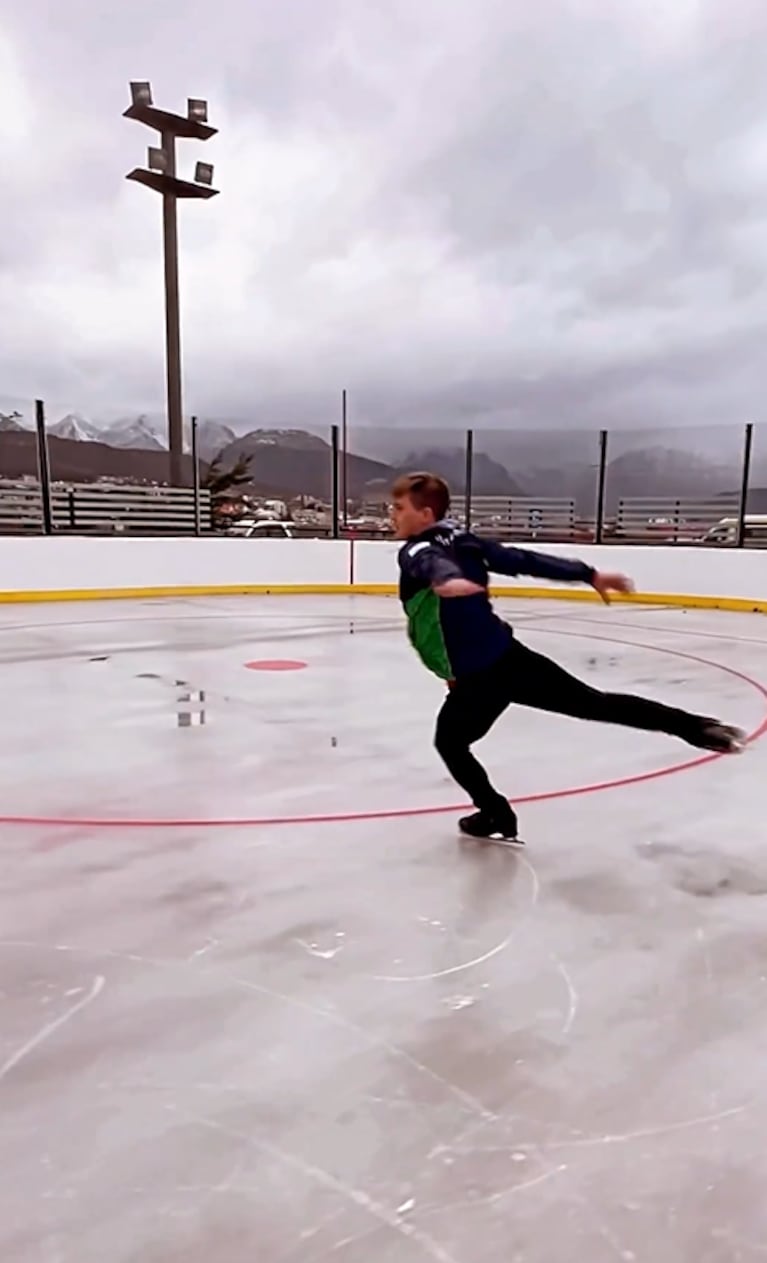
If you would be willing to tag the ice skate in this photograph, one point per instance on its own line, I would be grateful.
(722, 738)
(500, 826)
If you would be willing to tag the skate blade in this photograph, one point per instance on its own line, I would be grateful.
(738, 742)
(512, 844)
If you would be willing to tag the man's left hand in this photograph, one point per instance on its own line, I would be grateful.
(605, 583)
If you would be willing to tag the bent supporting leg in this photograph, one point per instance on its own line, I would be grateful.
(467, 715)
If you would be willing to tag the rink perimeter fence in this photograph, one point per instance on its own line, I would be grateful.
(48, 506)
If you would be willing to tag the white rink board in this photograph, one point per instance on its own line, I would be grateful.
(739, 574)
(82, 565)
(77, 563)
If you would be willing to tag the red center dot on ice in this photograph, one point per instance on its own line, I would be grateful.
(275, 664)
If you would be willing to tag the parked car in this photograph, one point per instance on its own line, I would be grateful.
(267, 528)
(726, 530)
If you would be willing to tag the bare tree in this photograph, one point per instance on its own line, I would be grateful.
(222, 482)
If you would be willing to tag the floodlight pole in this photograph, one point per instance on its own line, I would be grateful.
(172, 319)
(161, 176)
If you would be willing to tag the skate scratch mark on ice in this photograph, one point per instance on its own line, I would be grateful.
(572, 996)
(445, 973)
(645, 1133)
(458, 1144)
(374, 1041)
(322, 954)
(663, 629)
(329, 1181)
(479, 960)
(603, 1228)
(345, 1242)
(205, 1194)
(51, 1028)
(308, 1235)
(528, 1184)
(494, 1198)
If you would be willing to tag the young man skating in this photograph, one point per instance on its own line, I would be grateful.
(444, 578)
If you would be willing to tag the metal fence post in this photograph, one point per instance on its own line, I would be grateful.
(599, 525)
(196, 479)
(748, 443)
(43, 467)
(334, 455)
(469, 475)
(344, 457)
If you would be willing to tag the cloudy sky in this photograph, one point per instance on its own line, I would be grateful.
(486, 210)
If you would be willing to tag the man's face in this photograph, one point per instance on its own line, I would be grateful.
(407, 520)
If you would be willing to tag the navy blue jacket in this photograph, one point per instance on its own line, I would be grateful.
(456, 636)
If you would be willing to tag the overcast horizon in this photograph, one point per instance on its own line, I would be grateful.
(466, 214)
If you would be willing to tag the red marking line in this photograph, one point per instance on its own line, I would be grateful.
(275, 664)
(400, 813)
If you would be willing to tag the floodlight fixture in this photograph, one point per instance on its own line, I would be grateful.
(141, 92)
(157, 159)
(197, 110)
(203, 173)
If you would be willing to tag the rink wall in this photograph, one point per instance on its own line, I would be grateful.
(69, 568)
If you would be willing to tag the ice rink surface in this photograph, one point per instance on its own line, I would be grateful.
(348, 1035)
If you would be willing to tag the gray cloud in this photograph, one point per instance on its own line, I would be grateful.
(490, 212)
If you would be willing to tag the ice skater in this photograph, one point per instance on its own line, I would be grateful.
(444, 577)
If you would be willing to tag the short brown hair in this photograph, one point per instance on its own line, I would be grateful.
(425, 491)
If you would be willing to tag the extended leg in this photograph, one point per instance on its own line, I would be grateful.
(543, 684)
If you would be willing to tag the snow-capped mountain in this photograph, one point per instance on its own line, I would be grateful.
(136, 432)
(11, 422)
(212, 438)
(75, 427)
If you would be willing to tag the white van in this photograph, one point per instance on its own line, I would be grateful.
(726, 530)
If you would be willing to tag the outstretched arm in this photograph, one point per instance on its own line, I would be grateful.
(516, 561)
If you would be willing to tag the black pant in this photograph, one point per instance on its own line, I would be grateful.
(527, 678)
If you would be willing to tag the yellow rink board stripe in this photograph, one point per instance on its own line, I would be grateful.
(686, 600)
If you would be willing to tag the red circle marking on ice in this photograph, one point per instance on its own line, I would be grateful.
(403, 813)
(275, 664)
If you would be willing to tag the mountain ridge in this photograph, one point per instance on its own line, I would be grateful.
(297, 461)
(139, 433)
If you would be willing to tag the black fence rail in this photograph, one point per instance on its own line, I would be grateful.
(647, 520)
(103, 509)
(518, 517)
(21, 509)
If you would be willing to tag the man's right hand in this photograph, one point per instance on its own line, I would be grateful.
(458, 587)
